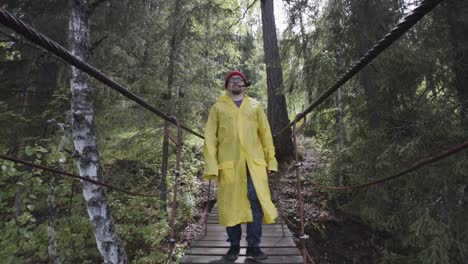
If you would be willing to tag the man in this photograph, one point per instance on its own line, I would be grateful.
(238, 151)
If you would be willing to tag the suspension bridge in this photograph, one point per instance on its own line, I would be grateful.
(210, 246)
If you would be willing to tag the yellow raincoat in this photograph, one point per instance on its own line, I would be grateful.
(233, 137)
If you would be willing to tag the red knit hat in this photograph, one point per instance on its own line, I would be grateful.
(234, 73)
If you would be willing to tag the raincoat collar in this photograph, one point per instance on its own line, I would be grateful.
(226, 98)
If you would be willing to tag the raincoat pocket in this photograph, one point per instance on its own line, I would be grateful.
(226, 171)
(260, 162)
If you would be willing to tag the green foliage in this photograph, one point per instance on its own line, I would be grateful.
(417, 107)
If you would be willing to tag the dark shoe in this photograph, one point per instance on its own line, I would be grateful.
(256, 253)
(233, 253)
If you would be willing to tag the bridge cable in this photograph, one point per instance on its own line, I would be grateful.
(11, 21)
(408, 22)
(68, 174)
(416, 166)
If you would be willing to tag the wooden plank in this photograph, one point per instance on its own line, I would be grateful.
(264, 234)
(266, 242)
(223, 238)
(215, 220)
(244, 226)
(220, 259)
(212, 247)
(270, 251)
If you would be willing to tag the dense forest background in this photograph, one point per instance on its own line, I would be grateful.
(411, 103)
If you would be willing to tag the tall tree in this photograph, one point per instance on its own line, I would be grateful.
(277, 109)
(84, 137)
(173, 43)
(366, 36)
(341, 135)
(458, 27)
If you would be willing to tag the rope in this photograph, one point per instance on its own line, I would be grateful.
(408, 22)
(309, 257)
(27, 163)
(416, 166)
(9, 20)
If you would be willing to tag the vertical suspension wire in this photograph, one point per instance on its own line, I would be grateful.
(305, 255)
(280, 208)
(299, 192)
(206, 213)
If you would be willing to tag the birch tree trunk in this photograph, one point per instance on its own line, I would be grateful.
(277, 111)
(84, 138)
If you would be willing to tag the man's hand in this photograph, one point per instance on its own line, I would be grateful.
(271, 173)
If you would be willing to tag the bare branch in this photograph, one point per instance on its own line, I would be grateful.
(243, 15)
(16, 39)
(96, 3)
(97, 43)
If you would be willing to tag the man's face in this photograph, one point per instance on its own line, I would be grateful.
(236, 85)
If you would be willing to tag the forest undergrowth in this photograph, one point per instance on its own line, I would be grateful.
(334, 235)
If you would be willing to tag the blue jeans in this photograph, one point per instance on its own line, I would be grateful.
(254, 229)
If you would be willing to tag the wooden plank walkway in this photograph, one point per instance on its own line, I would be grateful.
(212, 247)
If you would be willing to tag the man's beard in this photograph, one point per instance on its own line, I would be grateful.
(236, 92)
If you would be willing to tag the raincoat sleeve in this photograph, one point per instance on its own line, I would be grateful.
(267, 140)
(210, 147)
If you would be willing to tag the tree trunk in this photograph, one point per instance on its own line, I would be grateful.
(369, 90)
(168, 97)
(340, 136)
(84, 137)
(366, 35)
(23, 103)
(277, 110)
(164, 165)
(458, 26)
(307, 67)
